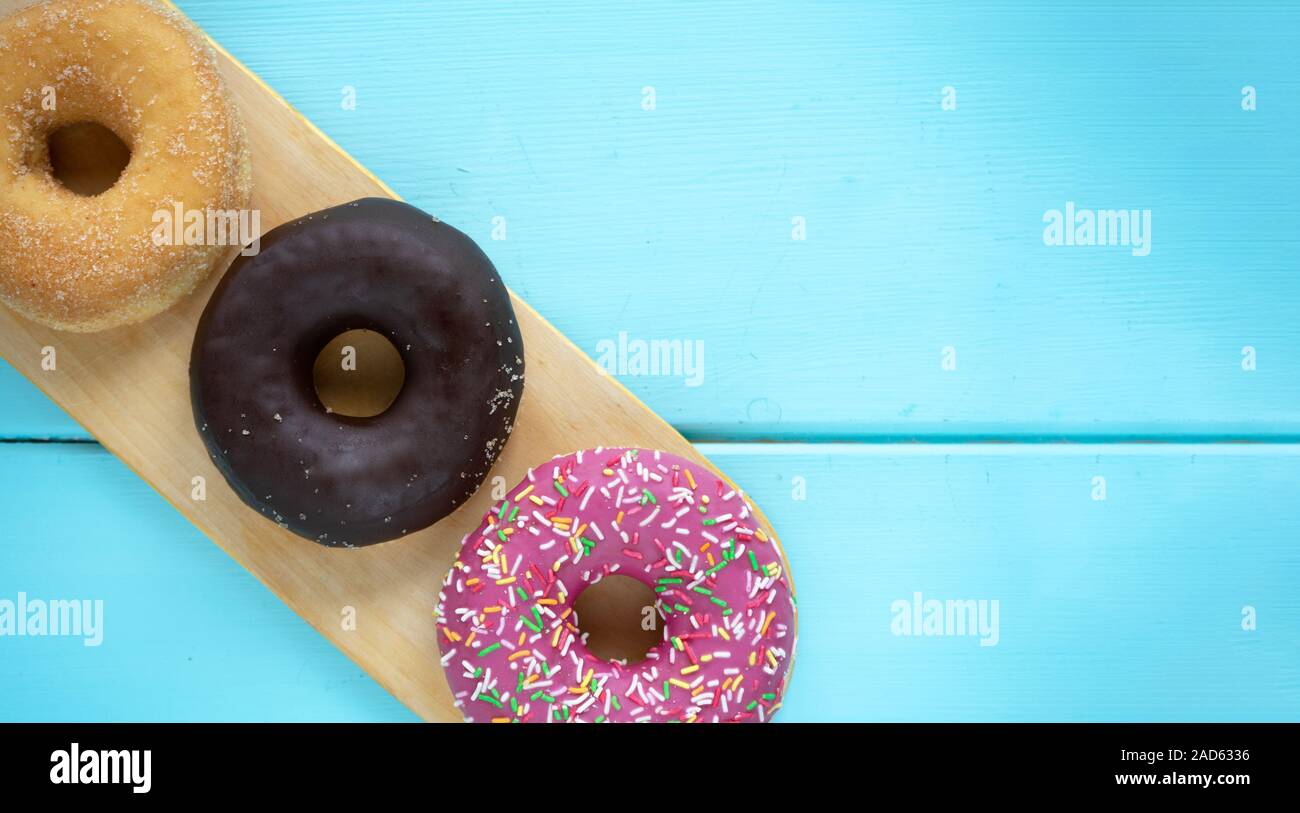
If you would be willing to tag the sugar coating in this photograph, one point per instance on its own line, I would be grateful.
(512, 649)
(142, 70)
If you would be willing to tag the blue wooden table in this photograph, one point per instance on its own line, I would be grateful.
(843, 214)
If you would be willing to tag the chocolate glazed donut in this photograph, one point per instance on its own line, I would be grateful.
(378, 265)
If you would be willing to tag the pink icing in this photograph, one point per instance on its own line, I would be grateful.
(511, 645)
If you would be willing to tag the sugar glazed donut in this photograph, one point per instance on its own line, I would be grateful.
(378, 265)
(143, 71)
(511, 646)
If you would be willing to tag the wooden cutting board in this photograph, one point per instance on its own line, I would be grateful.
(129, 387)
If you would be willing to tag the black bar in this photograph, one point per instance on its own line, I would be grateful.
(332, 761)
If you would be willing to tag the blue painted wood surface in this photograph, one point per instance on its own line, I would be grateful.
(1117, 609)
(924, 231)
(924, 226)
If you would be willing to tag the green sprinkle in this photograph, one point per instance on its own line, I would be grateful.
(514, 705)
(502, 513)
(727, 611)
(769, 696)
(709, 521)
(717, 601)
(670, 581)
(751, 705)
(487, 699)
(502, 536)
(681, 609)
(521, 592)
(485, 650)
(600, 718)
(513, 513)
(717, 567)
(667, 690)
(753, 560)
(560, 488)
(702, 590)
(613, 701)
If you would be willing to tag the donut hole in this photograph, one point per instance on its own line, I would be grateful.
(87, 157)
(618, 616)
(358, 374)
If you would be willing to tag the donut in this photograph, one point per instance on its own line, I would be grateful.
(86, 263)
(373, 264)
(512, 649)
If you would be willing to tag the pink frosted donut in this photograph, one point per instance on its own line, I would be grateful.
(511, 646)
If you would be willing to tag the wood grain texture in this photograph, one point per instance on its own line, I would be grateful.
(130, 388)
(1122, 609)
